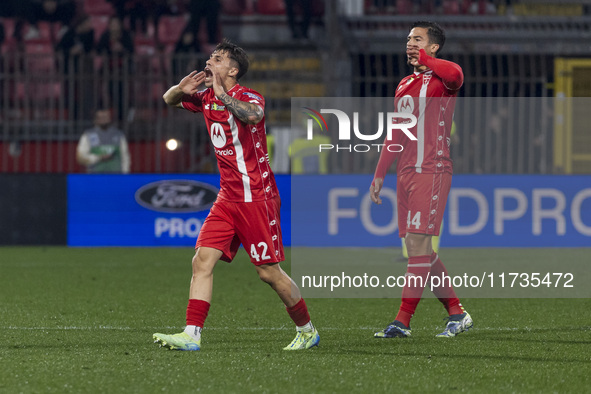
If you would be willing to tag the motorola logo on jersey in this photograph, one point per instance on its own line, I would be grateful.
(176, 196)
(406, 104)
(224, 152)
(218, 136)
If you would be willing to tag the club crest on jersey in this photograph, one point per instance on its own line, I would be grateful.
(218, 136)
(407, 82)
(251, 95)
(406, 104)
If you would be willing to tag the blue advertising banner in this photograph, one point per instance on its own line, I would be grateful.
(482, 211)
(333, 210)
(145, 210)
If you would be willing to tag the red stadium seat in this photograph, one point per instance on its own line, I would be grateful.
(38, 90)
(451, 7)
(271, 7)
(40, 58)
(48, 90)
(98, 7)
(170, 28)
(404, 7)
(236, 7)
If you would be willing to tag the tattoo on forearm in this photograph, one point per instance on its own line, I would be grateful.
(243, 110)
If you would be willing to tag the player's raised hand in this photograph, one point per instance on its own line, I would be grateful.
(217, 86)
(190, 84)
(413, 55)
(374, 190)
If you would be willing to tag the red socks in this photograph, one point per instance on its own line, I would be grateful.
(445, 292)
(197, 312)
(417, 274)
(299, 313)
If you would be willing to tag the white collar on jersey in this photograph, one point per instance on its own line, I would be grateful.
(233, 88)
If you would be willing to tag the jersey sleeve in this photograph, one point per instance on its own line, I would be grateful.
(193, 102)
(387, 157)
(450, 73)
(251, 96)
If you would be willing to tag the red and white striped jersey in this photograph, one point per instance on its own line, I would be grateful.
(430, 96)
(241, 149)
(425, 95)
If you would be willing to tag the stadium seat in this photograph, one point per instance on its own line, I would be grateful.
(451, 7)
(404, 7)
(170, 28)
(37, 91)
(236, 7)
(48, 90)
(98, 7)
(40, 58)
(271, 7)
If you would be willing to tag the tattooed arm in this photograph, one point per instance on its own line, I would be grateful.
(247, 112)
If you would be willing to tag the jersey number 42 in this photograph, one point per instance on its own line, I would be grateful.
(263, 256)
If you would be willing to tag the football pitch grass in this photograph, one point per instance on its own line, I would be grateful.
(81, 320)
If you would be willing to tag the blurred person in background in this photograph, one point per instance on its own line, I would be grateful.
(54, 11)
(116, 45)
(116, 40)
(20, 11)
(103, 148)
(76, 47)
(210, 11)
(299, 29)
(77, 41)
(184, 60)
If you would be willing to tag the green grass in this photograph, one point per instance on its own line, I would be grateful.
(81, 320)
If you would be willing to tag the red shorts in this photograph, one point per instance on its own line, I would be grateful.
(421, 202)
(254, 224)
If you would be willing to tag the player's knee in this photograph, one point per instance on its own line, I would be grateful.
(266, 277)
(200, 265)
(268, 274)
(418, 244)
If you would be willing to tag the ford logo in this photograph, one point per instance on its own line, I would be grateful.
(176, 196)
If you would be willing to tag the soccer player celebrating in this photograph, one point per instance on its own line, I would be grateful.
(424, 172)
(247, 208)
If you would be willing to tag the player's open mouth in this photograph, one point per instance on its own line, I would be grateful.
(208, 73)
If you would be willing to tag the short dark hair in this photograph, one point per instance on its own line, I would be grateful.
(434, 31)
(236, 54)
